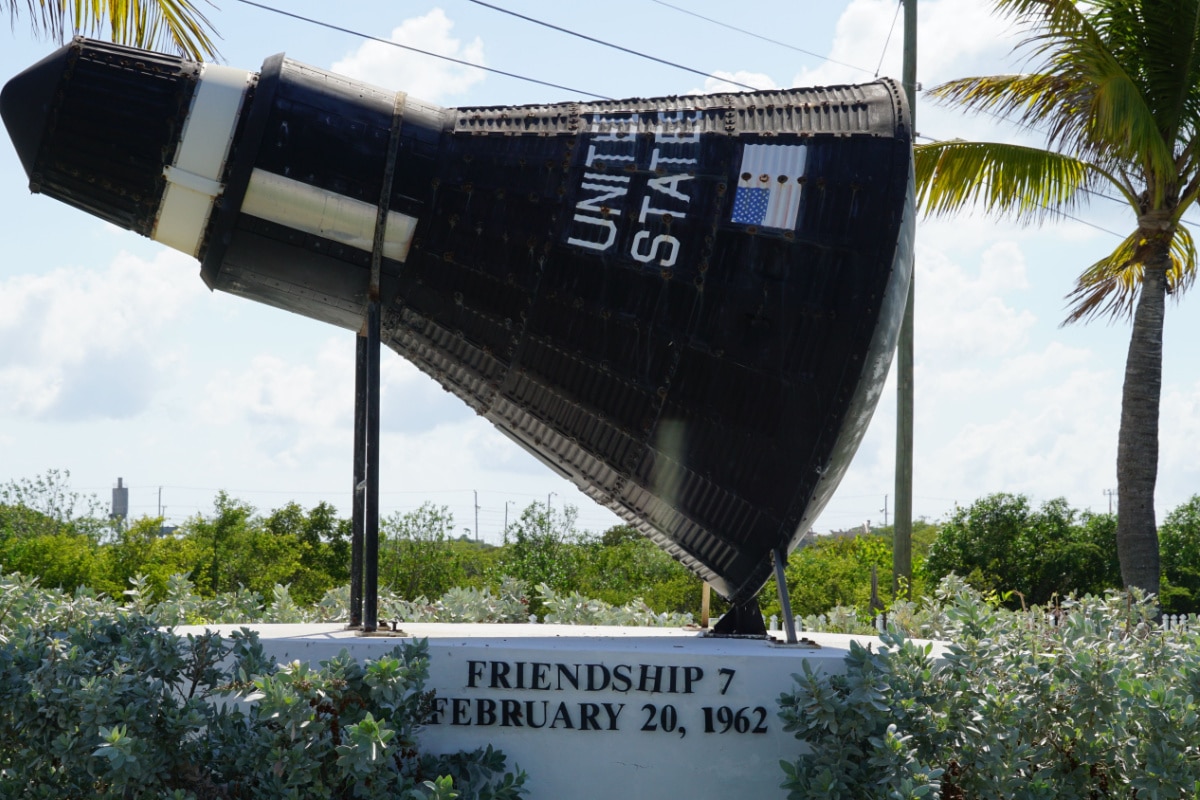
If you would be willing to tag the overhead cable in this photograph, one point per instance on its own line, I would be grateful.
(760, 37)
(451, 59)
(603, 43)
(888, 40)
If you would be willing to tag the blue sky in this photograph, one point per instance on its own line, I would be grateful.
(115, 360)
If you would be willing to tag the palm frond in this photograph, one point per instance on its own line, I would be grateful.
(1119, 118)
(1024, 183)
(1087, 86)
(45, 18)
(1050, 14)
(1159, 44)
(1027, 98)
(1182, 274)
(1110, 287)
(178, 25)
(1115, 87)
(1055, 103)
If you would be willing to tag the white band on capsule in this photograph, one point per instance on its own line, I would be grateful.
(194, 179)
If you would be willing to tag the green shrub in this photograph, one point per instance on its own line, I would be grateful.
(63, 560)
(120, 708)
(543, 546)
(1090, 701)
(835, 571)
(1000, 543)
(621, 565)
(417, 556)
(1179, 545)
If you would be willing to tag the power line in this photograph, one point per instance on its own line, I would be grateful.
(760, 37)
(886, 42)
(361, 35)
(876, 74)
(603, 43)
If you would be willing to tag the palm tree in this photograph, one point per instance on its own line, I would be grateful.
(178, 24)
(1116, 90)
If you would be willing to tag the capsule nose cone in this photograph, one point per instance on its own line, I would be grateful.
(95, 124)
(25, 104)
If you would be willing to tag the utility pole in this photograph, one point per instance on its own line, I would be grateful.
(476, 493)
(902, 533)
(885, 510)
(162, 515)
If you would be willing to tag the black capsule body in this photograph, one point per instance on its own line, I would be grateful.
(685, 305)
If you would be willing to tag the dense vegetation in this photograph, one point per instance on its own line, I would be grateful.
(1039, 556)
(1000, 544)
(1092, 701)
(1052, 684)
(101, 701)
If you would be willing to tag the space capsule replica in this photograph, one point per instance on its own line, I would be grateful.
(685, 305)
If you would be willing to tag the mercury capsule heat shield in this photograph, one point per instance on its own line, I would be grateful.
(685, 305)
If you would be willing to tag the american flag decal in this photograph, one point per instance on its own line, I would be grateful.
(768, 187)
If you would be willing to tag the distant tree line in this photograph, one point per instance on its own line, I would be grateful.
(1001, 544)
(59, 536)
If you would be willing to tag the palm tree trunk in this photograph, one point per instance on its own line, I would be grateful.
(1137, 442)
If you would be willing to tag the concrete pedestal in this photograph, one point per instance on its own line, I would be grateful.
(601, 712)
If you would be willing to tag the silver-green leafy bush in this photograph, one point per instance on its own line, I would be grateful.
(572, 608)
(183, 605)
(839, 619)
(1091, 700)
(507, 603)
(118, 707)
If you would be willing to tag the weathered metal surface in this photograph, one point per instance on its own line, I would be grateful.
(685, 305)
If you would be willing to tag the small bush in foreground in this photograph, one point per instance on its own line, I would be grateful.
(1091, 701)
(119, 708)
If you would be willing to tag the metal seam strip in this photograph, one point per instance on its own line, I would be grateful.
(385, 193)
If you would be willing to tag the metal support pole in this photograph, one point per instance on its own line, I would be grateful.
(370, 619)
(360, 481)
(902, 528)
(785, 601)
(371, 515)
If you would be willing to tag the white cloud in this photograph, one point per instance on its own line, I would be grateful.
(1003, 402)
(1055, 442)
(287, 414)
(293, 405)
(288, 407)
(403, 70)
(963, 316)
(722, 82)
(1179, 432)
(412, 401)
(77, 343)
(956, 37)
